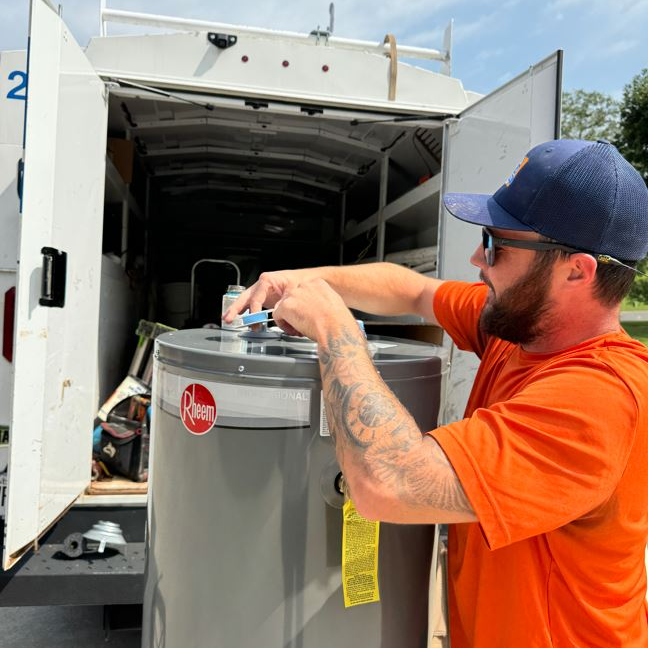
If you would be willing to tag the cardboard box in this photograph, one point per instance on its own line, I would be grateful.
(121, 152)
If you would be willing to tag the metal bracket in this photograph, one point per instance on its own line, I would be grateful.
(222, 41)
(256, 104)
(312, 110)
(325, 33)
(320, 33)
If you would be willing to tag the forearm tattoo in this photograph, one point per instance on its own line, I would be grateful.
(367, 420)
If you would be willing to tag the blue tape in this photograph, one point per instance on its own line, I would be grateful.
(255, 318)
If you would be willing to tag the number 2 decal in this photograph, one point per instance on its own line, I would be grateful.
(14, 93)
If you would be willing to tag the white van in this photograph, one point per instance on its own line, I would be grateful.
(270, 149)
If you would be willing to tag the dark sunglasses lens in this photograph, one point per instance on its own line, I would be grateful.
(489, 249)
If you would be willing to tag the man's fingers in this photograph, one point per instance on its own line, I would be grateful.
(282, 310)
(253, 298)
(239, 305)
(265, 293)
(287, 328)
(256, 303)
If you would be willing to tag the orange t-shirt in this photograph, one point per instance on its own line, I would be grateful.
(553, 456)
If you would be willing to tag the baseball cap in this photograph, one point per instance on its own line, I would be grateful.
(582, 194)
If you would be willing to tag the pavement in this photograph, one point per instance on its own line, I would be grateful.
(60, 627)
(634, 316)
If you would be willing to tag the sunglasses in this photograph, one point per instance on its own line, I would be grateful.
(490, 243)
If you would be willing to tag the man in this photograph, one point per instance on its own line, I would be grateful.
(545, 481)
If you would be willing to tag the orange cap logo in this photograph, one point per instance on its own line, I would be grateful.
(518, 168)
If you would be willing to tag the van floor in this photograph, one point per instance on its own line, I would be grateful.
(60, 627)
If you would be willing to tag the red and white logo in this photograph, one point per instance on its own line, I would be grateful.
(197, 409)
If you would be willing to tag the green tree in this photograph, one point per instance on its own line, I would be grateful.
(639, 290)
(589, 115)
(632, 140)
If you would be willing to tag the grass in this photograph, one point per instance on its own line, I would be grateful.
(628, 305)
(637, 330)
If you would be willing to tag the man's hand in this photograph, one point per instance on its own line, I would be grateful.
(312, 309)
(380, 288)
(266, 292)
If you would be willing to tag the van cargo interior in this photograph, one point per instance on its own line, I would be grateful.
(268, 186)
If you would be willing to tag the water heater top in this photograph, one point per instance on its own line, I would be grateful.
(220, 350)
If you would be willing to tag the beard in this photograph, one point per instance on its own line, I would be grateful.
(520, 314)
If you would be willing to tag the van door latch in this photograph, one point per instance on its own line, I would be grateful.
(222, 41)
(20, 174)
(53, 279)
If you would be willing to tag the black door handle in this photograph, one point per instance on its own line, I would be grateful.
(20, 174)
(53, 280)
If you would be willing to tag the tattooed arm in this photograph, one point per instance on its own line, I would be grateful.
(381, 288)
(395, 473)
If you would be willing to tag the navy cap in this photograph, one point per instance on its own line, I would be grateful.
(583, 194)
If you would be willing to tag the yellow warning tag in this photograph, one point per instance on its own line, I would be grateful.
(359, 558)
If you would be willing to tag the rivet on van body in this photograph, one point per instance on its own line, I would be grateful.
(245, 58)
(325, 68)
(286, 63)
(241, 368)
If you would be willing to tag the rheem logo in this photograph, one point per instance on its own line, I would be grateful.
(197, 409)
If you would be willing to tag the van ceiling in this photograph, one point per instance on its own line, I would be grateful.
(269, 167)
(305, 157)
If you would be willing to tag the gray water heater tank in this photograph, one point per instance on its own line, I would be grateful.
(245, 519)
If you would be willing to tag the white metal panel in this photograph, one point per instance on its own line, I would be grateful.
(56, 348)
(480, 151)
(314, 39)
(10, 155)
(266, 67)
(13, 92)
(9, 215)
(13, 75)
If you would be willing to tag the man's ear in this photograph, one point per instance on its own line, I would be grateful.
(582, 267)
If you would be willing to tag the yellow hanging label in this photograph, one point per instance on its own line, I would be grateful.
(359, 557)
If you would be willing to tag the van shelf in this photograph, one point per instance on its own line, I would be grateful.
(94, 501)
(400, 206)
(117, 190)
(423, 257)
(114, 492)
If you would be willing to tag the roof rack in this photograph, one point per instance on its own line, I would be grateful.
(316, 37)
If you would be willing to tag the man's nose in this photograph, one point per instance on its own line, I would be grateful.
(478, 258)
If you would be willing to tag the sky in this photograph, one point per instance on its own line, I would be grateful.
(605, 42)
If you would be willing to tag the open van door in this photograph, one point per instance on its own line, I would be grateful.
(59, 272)
(481, 148)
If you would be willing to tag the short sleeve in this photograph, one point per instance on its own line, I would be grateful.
(547, 456)
(457, 307)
